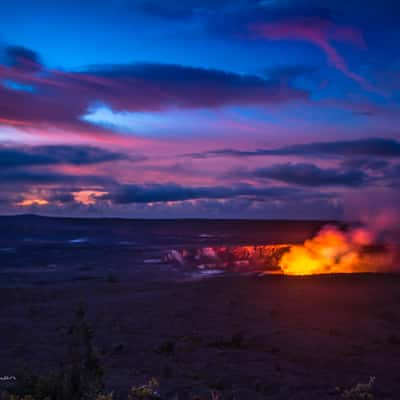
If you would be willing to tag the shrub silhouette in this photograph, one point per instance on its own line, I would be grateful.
(80, 378)
(361, 391)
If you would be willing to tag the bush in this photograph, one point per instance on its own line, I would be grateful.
(147, 391)
(79, 379)
(361, 391)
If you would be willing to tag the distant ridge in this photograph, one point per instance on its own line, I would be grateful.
(50, 217)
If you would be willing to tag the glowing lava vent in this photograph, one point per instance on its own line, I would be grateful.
(334, 251)
(331, 251)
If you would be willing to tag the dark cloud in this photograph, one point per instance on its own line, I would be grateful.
(373, 164)
(27, 177)
(304, 205)
(53, 155)
(15, 178)
(154, 193)
(375, 147)
(63, 98)
(22, 58)
(363, 147)
(190, 87)
(235, 13)
(312, 175)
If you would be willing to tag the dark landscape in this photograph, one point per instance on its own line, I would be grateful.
(243, 336)
(199, 200)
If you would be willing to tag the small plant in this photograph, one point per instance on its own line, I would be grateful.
(215, 396)
(81, 378)
(7, 378)
(147, 391)
(119, 348)
(361, 391)
(109, 396)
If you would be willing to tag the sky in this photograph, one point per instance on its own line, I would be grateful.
(200, 109)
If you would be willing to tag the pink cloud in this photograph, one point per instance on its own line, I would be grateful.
(59, 98)
(319, 32)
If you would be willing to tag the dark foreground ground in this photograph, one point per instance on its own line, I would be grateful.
(269, 337)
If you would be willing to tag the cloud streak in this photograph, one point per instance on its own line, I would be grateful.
(11, 156)
(306, 174)
(155, 193)
(371, 147)
(62, 98)
(319, 32)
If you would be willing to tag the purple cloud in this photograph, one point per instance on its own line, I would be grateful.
(306, 174)
(62, 98)
(370, 147)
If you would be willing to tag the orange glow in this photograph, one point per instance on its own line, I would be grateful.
(331, 251)
(88, 197)
(260, 258)
(32, 202)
